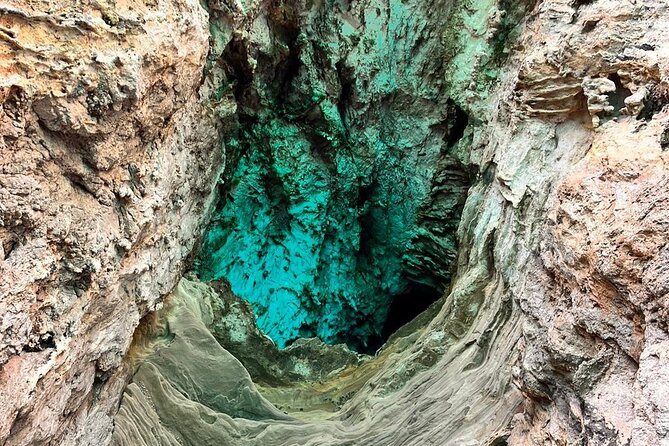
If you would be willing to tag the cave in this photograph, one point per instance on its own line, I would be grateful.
(329, 215)
(406, 306)
(617, 97)
(334, 223)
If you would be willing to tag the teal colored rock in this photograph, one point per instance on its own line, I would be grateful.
(343, 187)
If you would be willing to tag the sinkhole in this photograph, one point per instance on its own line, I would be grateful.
(339, 205)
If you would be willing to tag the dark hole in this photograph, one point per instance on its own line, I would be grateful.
(579, 3)
(98, 384)
(589, 25)
(321, 149)
(9, 247)
(366, 221)
(45, 342)
(238, 68)
(344, 74)
(405, 307)
(617, 98)
(110, 19)
(500, 442)
(275, 192)
(14, 102)
(457, 123)
(286, 72)
(664, 140)
(365, 193)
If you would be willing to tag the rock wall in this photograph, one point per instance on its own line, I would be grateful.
(592, 324)
(348, 188)
(553, 329)
(108, 156)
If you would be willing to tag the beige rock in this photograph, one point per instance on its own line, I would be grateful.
(635, 102)
(107, 160)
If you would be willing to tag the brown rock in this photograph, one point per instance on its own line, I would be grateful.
(107, 160)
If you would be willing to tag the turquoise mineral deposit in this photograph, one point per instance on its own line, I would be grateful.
(345, 185)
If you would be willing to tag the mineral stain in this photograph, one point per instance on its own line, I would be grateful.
(345, 186)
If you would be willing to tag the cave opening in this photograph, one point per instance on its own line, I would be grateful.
(343, 188)
(405, 307)
(617, 97)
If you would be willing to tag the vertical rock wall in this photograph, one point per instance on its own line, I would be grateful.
(592, 295)
(107, 160)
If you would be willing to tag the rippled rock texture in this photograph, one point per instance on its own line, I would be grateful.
(552, 331)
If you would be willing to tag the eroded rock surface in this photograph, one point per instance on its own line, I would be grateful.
(348, 188)
(596, 328)
(553, 327)
(553, 330)
(107, 160)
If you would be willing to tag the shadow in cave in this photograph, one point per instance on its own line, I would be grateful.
(617, 97)
(405, 307)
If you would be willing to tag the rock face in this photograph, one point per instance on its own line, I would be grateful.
(348, 189)
(552, 331)
(595, 329)
(107, 161)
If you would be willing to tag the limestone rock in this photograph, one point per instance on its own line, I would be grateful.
(553, 329)
(107, 160)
